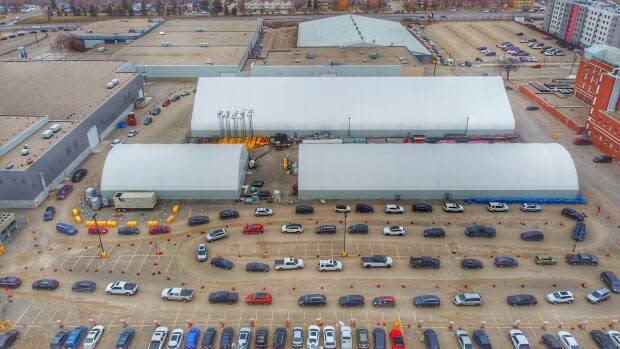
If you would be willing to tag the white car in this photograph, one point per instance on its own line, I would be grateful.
(263, 212)
(292, 228)
(567, 340)
(528, 207)
(497, 207)
(314, 337)
(176, 339)
(615, 337)
(346, 339)
(453, 207)
(201, 254)
(93, 337)
(132, 133)
(329, 265)
(597, 296)
(393, 209)
(342, 209)
(518, 339)
(217, 234)
(116, 142)
(245, 334)
(158, 338)
(297, 337)
(394, 230)
(463, 340)
(559, 297)
(468, 299)
(329, 337)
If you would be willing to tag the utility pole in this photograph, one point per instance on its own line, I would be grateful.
(344, 238)
(573, 64)
(349, 133)
(103, 254)
(466, 126)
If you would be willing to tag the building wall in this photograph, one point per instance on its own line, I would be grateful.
(588, 78)
(318, 70)
(26, 188)
(605, 133)
(504, 195)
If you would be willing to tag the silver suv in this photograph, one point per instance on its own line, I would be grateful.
(202, 253)
(468, 299)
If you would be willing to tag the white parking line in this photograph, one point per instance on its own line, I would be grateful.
(172, 257)
(34, 321)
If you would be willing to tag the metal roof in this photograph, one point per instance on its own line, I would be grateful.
(480, 168)
(381, 106)
(604, 53)
(173, 167)
(352, 30)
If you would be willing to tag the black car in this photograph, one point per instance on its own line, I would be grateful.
(602, 340)
(262, 338)
(551, 342)
(427, 301)
(477, 230)
(226, 214)
(581, 259)
(128, 231)
(364, 208)
(226, 340)
(425, 262)
(7, 340)
(155, 111)
(579, 231)
(533, 235)
(354, 300)
(422, 208)
(522, 299)
(601, 159)
(363, 341)
(313, 299)
(209, 338)
(84, 286)
(434, 233)
(431, 340)
(325, 229)
(379, 337)
(78, 175)
(264, 194)
(59, 339)
(279, 338)
(471, 263)
(197, 220)
(257, 267)
(49, 213)
(222, 263)
(573, 214)
(258, 183)
(481, 338)
(611, 280)
(505, 262)
(45, 284)
(64, 192)
(147, 120)
(357, 229)
(223, 297)
(304, 209)
(10, 282)
(175, 98)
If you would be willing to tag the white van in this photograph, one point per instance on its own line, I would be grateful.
(497, 207)
(55, 128)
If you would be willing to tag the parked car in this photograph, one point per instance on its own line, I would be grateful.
(8, 339)
(424, 262)
(64, 192)
(197, 220)
(97, 230)
(193, 336)
(393, 209)
(49, 213)
(560, 297)
(259, 298)
(567, 340)
(463, 340)
(394, 230)
(279, 338)
(397, 338)
(325, 229)
(93, 337)
(611, 280)
(329, 337)
(518, 339)
(481, 339)
(147, 120)
(533, 235)
(312, 299)
(615, 337)
(522, 299)
(529, 207)
(116, 141)
(471, 263)
(165, 103)
(426, 301)
(226, 340)
(354, 300)
(579, 231)
(217, 234)
(292, 228)
(304, 209)
(78, 175)
(494, 206)
(262, 338)
(132, 133)
(364, 208)
(256, 267)
(227, 214)
(363, 340)
(452, 207)
(208, 340)
(221, 263)
(431, 340)
(128, 231)
(421, 208)
(581, 259)
(602, 340)
(573, 214)
(59, 339)
(314, 337)
(155, 111)
(544, 259)
(223, 297)
(384, 302)
(599, 295)
(84, 286)
(357, 229)
(245, 336)
(11, 282)
(434, 233)
(602, 159)
(478, 230)
(342, 208)
(505, 262)
(175, 98)
(379, 338)
(532, 107)
(160, 229)
(75, 337)
(582, 141)
(45, 284)
(263, 212)
(297, 337)
(551, 342)
(202, 253)
(253, 229)
(329, 265)
(468, 299)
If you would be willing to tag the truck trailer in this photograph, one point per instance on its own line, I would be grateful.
(135, 201)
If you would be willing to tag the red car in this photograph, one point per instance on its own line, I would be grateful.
(397, 339)
(581, 141)
(384, 301)
(102, 230)
(258, 298)
(64, 192)
(162, 229)
(253, 229)
(166, 102)
(535, 66)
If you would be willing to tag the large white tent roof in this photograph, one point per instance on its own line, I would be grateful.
(173, 167)
(351, 30)
(521, 169)
(382, 106)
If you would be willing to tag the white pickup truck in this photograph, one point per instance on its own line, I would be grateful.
(288, 264)
(376, 261)
(122, 288)
(177, 294)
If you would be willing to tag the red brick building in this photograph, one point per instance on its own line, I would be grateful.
(598, 84)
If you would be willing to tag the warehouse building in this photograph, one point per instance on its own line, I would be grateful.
(176, 171)
(359, 31)
(53, 114)
(507, 172)
(352, 106)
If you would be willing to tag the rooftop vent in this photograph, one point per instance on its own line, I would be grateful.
(204, 44)
(373, 55)
(200, 29)
(334, 62)
(166, 44)
(310, 55)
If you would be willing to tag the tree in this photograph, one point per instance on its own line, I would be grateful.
(143, 9)
(315, 5)
(309, 5)
(109, 10)
(216, 7)
(233, 12)
(123, 9)
(159, 6)
(226, 12)
(92, 11)
(204, 5)
(130, 10)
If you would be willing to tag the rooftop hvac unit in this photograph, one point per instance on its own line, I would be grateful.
(21, 52)
(200, 29)
(334, 62)
(310, 55)
(204, 44)
(162, 33)
(89, 31)
(166, 44)
(296, 60)
(373, 55)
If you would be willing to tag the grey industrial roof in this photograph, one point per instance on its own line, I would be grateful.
(173, 167)
(383, 105)
(604, 53)
(352, 30)
(436, 167)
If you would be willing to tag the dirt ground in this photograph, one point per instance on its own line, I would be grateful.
(279, 38)
(167, 261)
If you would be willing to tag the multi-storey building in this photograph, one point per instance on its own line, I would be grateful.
(583, 22)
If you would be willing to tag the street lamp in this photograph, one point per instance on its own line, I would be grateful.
(349, 132)
(344, 238)
(103, 254)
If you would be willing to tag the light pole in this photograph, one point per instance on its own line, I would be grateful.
(466, 126)
(103, 254)
(349, 131)
(344, 238)
(573, 64)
